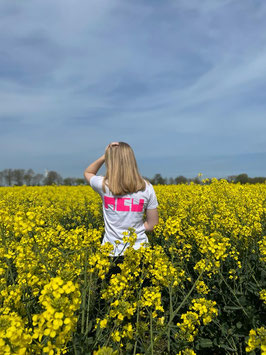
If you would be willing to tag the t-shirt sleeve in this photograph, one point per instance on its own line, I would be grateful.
(152, 202)
(96, 183)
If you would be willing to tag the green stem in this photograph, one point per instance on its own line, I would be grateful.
(254, 278)
(139, 294)
(234, 296)
(84, 293)
(10, 270)
(75, 350)
(235, 347)
(151, 333)
(187, 296)
(106, 343)
(171, 317)
(218, 324)
(98, 334)
(7, 259)
(171, 312)
(41, 257)
(88, 305)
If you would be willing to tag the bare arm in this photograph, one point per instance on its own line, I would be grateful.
(93, 168)
(152, 219)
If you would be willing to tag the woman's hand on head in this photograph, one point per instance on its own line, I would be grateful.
(111, 145)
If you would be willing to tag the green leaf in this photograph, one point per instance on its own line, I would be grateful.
(205, 343)
(239, 325)
(89, 326)
(231, 308)
(89, 341)
(238, 335)
(226, 347)
(242, 300)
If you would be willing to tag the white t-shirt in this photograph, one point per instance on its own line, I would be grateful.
(123, 212)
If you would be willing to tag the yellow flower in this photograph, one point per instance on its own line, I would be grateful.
(103, 323)
(116, 336)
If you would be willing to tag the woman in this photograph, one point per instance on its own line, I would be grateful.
(125, 195)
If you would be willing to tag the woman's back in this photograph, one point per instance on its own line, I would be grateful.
(123, 212)
(125, 195)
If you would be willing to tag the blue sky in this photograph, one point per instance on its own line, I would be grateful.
(183, 82)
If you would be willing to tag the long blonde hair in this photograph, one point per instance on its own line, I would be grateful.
(122, 175)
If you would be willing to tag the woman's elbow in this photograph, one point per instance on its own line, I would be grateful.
(152, 218)
(149, 226)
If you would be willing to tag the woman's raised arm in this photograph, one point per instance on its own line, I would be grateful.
(93, 168)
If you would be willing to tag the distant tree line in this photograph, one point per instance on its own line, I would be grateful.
(19, 177)
(242, 178)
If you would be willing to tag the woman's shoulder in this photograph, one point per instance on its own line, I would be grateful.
(97, 178)
(147, 188)
(96, 182)
(148, 184)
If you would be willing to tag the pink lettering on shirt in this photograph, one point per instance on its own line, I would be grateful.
(139, 207)
(109, 201)
(121, 204)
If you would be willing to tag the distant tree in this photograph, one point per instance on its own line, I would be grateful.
(151, 180)
(28, 176)
(189, 180)
(80, 181)
(257, 180)
(196, 180)
(171, 181)
(53, 178)
(37, 179)
(69, 181)
(231, 178)
(242, 178)
(208, 182)
(8, 176)
(181, 180)
(1, 178)
(158, 180)
(18, 176)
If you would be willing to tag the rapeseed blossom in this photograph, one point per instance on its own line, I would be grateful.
(200, 310)
(53, 268)
(257, 340)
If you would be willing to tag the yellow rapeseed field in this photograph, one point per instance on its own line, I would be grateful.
(198, 287)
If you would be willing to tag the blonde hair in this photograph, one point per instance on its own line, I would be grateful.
(122, 175)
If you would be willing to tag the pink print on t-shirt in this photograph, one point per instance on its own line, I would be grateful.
(119, 204)
(109, 201)
(139, 207)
